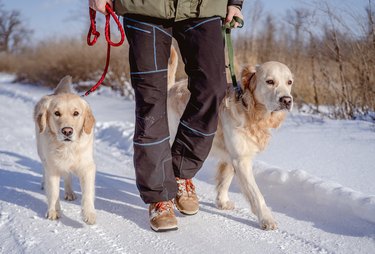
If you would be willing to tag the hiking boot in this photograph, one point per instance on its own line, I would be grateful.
(186, 200)
(162, 217)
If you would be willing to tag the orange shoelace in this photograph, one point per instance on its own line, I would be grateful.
(189, 185)
(185, 185)
(163, 206)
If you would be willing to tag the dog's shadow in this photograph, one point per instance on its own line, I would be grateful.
(20, 188)
(15, 186)
(114, 194)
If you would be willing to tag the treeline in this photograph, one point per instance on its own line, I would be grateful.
(330, 50)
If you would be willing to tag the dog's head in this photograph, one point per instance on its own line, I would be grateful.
(64, 114)
(270, 85)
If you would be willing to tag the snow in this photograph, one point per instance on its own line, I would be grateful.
(317, 175)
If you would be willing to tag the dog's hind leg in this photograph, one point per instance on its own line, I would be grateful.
(52, 192)
(224, 176)
(243, 169)
(69, 193)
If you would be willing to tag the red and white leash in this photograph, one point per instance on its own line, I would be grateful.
(96, 34)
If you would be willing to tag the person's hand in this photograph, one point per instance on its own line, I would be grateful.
(99, 5)
(231, 12)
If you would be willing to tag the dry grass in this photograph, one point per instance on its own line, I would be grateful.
(49, 61)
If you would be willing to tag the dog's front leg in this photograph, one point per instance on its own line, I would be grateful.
(87, 181)
(243, 169)
(52, 193)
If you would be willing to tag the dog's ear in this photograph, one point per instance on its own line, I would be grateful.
(89, 121)
(248, 83)
(248, 78)
(276, 119)
(64, 85)
(40, 113)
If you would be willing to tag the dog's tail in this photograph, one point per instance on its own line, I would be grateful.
(172, 67)
(64, 86)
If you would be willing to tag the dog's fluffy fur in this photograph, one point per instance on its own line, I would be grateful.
(64, 134)
(243, 129)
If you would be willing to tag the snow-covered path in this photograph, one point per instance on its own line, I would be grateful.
(316, 214)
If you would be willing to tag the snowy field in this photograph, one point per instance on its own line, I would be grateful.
(317, 175)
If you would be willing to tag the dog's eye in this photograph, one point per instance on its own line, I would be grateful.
(57, 113)
(290, 82)
(76, 113)
(270, 82)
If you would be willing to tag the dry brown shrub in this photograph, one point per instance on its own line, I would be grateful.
(49, 61)
(8, 63)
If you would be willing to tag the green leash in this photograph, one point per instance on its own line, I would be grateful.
(228, 41)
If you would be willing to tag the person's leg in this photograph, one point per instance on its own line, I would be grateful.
(150, 42)
(202, 48)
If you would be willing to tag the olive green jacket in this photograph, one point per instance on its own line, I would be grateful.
(174, 9)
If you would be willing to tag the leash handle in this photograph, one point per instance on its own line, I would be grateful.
(108, 30)
(96, 34)
(231, 24)
(228, 41)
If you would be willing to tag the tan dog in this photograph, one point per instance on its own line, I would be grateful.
(243, 129)
(64, 134)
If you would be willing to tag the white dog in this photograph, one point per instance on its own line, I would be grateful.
(243, 129)
(64, 134)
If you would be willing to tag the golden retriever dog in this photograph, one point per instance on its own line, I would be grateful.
(64, 134)
(243, 129)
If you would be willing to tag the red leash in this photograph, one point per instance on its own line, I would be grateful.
(96, 34)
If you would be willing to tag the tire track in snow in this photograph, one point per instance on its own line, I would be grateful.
(11, 237)
(16, 94)
(300, 186)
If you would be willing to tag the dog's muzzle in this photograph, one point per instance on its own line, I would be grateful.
(286, 102)
(67, 132)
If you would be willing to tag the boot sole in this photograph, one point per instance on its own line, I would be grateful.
(160, 230)
(187, 212)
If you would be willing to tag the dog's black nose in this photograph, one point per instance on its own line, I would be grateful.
(286, 102)
(67, 131)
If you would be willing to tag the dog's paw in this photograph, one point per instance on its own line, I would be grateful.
(227, 205)
(52, 215)
(70, 196)
(89, 217)
(268, 223)
(266, 220)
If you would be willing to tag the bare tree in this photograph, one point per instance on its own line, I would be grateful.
(371, 22)
(13, 33)
(268, 39)
(256, 13)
